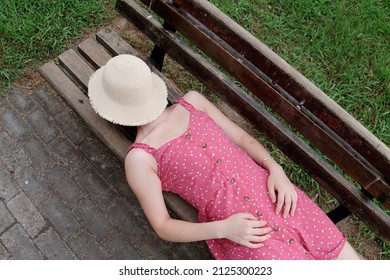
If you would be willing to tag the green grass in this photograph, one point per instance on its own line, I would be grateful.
(341, 46)
(33, 31)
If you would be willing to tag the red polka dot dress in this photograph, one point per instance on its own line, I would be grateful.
(219, 179)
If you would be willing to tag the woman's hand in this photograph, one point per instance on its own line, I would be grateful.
(245, 229)
(282, 192)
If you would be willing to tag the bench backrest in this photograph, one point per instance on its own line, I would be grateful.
(288, 93)
(260, 72)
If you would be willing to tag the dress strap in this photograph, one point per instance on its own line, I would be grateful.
(142, 146)
(185, 104)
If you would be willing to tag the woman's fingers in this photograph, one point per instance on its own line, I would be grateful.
(287, 206)
(259, 239)
(256, 242)
(252, 245)
(256, 238)
(271, 191)
(260, 231)
(280, 203)
(294, 203)
(288, 201)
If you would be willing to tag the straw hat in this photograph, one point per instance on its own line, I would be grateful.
(126, 92)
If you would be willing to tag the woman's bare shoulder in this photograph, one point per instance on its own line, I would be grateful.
(196, 99)
(137, 160)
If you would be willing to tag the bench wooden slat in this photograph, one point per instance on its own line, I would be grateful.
(106, 131)
(113, 43)
(109, 134)
(293, 82)
(240, 68)
(320, 170)
(79, 69)
(72, 83)
(95, 53)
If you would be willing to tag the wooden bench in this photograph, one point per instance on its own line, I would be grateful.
(217, 40)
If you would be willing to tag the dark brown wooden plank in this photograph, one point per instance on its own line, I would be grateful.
(106, 131)
(319, 169)
(116, 45)
(292, 81)
(332, 145)
(113, 43)
(94, 53)
(77, 67)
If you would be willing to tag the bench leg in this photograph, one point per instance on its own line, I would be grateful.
(156, 58)
(338, 214)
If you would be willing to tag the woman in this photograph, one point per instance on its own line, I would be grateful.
(248, 208)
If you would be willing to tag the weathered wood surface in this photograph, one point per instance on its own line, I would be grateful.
(318, 168)
(71, 81)
(281, 101)
(111, 135)
(292, 81)
(106, 131)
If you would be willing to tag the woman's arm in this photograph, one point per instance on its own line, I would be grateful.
(243, 229)
(281, 190)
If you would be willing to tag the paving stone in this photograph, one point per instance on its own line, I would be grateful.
(43, 125)
(20, 245)
(76, 163)
(86, 248)
(60, 181)
(97, 189)
(7, 151)
(12, 159)
(62, 147)
(60, 216)
(132, 223)
(6, 142)
(53, 247)
(93, 218)
(152, 246)
(191, 251)
(8, 187)
(100, 156)
(118, 180)
(6, 219)
(34, 187)
(20, 100)
(13, 124)
(63, 195)
(4, 254)
(49, 101)
(38, 153)
(72, 126)
(119, 248)
(127, 222)
(26, 214)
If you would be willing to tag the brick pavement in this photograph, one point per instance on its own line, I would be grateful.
(63, 195)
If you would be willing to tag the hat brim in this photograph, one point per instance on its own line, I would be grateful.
(122, 113)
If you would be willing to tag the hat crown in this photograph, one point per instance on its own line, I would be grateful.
(127, 79)
(126, 92)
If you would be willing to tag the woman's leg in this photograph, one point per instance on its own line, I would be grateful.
(348, 253)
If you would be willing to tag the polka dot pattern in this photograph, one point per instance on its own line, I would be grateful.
(219, 179)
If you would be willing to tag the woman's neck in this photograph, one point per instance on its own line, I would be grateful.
(147, 129)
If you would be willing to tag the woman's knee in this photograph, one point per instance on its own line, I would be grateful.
(348, 253)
